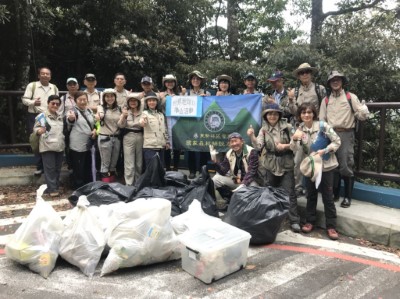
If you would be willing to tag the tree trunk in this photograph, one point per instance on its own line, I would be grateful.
(233, 29)
(317, 19)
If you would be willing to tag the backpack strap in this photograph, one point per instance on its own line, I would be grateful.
(33, 89)
(318, 92)
(296, 92)
(348, 96)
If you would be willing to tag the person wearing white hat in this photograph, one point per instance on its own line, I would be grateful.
(318, 142)
(341, 110)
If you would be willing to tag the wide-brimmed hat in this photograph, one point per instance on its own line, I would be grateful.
(272, 107)
(198, 74)
(224, 77)
(169, 77)
(151, 95)
(311, 166)
(304, 67)
(334, 74)
(275, 76)
(133, 96)
(109, 90)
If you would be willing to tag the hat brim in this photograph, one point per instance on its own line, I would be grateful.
(313, 70)
(344, 80)
(271, 110)
(196, 74)
(224, 77)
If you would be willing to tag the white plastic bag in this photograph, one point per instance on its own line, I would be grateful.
(82, 241)
(36, 241)
(192, 219)
(140, 233)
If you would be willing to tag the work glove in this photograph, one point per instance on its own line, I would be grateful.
(238, 188)
(213, 153)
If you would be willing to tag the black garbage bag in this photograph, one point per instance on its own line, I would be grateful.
(170, 193)
(201, 189)
(176, 178)
(258, 210)
(100, 193)
(154, 175)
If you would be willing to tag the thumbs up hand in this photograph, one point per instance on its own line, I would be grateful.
(250, 131)
(213, 153)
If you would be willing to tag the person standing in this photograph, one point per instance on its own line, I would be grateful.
(108, 114)
(250, 81)
(276, 161)
(155, 133)
(196, 80)
(224, 85)
(49, 126)
(35, 98)
(93, 94)
(80, 122)
(311, 138)
(132, 140)
(341, 110)
(120, 91)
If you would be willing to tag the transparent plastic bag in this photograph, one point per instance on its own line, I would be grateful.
(82, 241)
(36, 241)
(140, 233)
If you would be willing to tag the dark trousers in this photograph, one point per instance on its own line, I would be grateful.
(148, 154)
(29, 128)
(286, 181)
(326, 188)
(176, 158)
(52, 162)
(81, 167)
(196, 160)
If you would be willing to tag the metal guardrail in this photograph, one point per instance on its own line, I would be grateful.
(14, 97)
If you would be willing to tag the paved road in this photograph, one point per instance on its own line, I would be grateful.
(296, 266)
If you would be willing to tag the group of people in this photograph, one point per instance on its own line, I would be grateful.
(83, 123)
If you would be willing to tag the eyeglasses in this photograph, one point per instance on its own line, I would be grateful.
(307, 112)
(304, 72)
(55, 103)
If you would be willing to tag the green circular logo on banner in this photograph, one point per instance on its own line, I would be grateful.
(214, 121)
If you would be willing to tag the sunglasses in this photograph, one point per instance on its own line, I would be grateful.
(304, 72)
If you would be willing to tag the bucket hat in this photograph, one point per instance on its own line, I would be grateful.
(305, 67)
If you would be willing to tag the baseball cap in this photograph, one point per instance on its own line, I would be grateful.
(275, 76)
(234, 135)
(71, 79)
(146, 79)
(90, 76)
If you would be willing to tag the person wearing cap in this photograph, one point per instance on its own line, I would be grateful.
(276, 160)
(280, 95)
(67, 100)
(155, 135)
(147, 85)
(121, 92)
(35, 98)
(108, 114)
(49, 126)
(306, 92)
(250, 81)
(340, 110)
(80, 121)
(93, 94)
(170, 88)
(133, 139)
(237, 169)
(196, 80)
(224, 85)
(317, 140)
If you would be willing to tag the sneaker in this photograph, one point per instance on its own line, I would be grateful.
(295, 227)
(192, 175)
(38, 172)
(332, 234)
(307, 228)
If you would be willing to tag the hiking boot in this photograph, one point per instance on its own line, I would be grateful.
(295, 227)
(192, 175)
(38, 172)
(332, 234)
(307, 228)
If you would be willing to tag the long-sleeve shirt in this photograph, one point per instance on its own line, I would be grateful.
(81, 134)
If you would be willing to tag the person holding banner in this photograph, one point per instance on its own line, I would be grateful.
(196, 80)
(155, 135)
(238, 168)
(276, 160)
(250, 81)
(224, 85)
(170, 88)
(320, 141)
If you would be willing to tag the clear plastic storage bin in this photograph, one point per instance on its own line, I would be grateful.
(212, 253)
